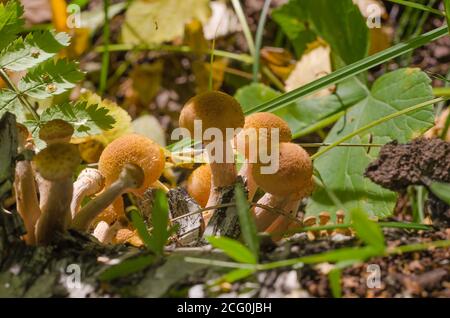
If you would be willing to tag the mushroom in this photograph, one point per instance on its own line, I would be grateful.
(131, 163)
(287, 186)
(256, 139)
(199, 184)
(56, 164)
(89, 182)
(56, 131)
(25, 188)
(215, 110)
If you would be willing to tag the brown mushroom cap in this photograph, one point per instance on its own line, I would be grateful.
(56, 130)
(57, 161)
(262, 124)
(134, 149)
(294, 173)
(215, 110)
(199, 184)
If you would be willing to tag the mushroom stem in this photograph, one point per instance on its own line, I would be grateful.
(264, 218)
(55, 206)
(246, 174)
(27, 199)
(131, 177)
(222, 175)
(89, 182)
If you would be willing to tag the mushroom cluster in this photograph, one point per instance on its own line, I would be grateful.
(50, 202)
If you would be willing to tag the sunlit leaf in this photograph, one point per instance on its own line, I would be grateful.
(342, 168)
(367, 230)
(234, 249)
(10, 22)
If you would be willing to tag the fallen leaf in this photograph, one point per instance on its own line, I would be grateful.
(149, 126)
(314, 64)
(158, 21)
(222, 22)
(147, 80)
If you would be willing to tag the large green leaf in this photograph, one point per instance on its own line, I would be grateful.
(10, 22)
(9, 103)
(342, 168)
(340, 23)
(23, 54)
(50, 78)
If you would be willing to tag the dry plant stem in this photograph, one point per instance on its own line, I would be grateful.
(89, 182)
(27, 199)
(130, 178)
(55, 207)
(264, 218)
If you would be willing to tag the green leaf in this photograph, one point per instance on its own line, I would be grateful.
(367, 230)
(23, 54)
(9, 103)
(10, 22)
(342, 168)
(50, 78)
(234, 249)
(254, 94)
(441, 190)
(334, 279)
(339, 23)
(86, 119)
(127, 267)
(139, 225)
(160, 221)
(235, 275)
(248, 226)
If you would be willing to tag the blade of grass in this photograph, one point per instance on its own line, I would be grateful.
(105, 57)
(419, 6)
(375, 123)
(447, 11)
(245, 28)
(350, 70)
(258, 39)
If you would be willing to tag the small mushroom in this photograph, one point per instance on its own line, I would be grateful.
(56, 164)
(220, 111)
(89, 182)
(256, 139)
(25, 188)
(199, 184)
(311, 221)
(56, 131)
(287, 186)
(131, 163)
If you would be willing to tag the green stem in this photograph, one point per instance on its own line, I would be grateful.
(320, 124)
(375, 123)
(105, 58)
(245, 28)
(22, 98)
(258, 39)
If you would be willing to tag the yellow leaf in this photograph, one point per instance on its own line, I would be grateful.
(158, 21)
(314, 64)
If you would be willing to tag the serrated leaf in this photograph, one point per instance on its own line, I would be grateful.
(8, 102)
(37, 47)
(342, 168)
(160, 221)
(50, 78)
(234, 249)
(86, 119)
(248, 226)
(154, 22)
(11, 22)
(368, 231)
(121, 125)
(339, 23)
